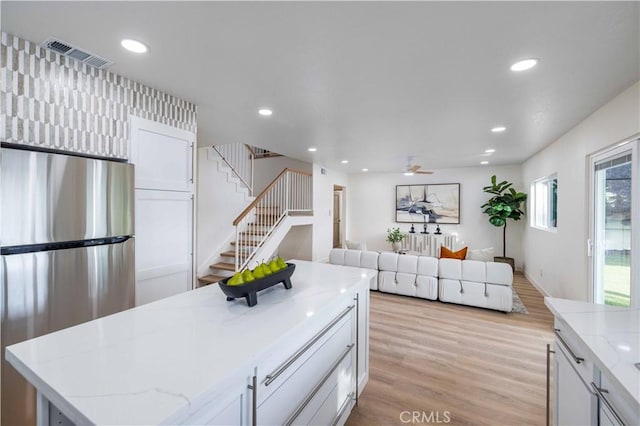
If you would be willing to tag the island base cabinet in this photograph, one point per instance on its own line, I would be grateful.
(615, 408)
(230, 405)
(309, 380)
(575, 402)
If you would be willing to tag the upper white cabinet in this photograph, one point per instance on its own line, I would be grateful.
(163, 159)
(163, 156)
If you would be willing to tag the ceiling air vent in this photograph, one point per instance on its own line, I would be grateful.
(67, 49)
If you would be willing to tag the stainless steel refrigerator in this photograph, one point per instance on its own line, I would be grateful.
(66, 233)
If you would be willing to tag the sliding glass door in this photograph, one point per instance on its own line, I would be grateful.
(613, 245)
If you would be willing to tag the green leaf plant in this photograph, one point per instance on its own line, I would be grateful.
(504, 204)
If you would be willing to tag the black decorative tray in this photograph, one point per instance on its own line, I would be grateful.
(250, 290)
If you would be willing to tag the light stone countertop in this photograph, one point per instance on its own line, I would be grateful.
(152, 363)
(611, 334)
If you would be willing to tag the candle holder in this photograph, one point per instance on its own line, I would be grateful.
(412, 230)
(425, 225)
(438, 230)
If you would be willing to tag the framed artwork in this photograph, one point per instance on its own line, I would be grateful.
(433, 203)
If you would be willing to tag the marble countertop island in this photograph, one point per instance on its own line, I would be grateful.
(153, 363)
(611, 334)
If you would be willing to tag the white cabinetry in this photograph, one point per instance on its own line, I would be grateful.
(575, 401)
(309, 378)
(584, 395)
(230, 405)
(163, 158)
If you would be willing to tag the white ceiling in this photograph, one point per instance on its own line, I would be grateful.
(369, 82)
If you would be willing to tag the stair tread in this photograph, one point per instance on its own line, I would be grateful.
(224, 266)
(230, 253)
(254, 233)
(247, 243)
(210, 279)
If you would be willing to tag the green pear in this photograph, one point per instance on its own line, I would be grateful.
(266, 269)
(248, 276)
(281, 263)
(274, 265)
(258, 272)
(236, 279)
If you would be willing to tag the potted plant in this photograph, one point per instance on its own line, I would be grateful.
(504, 204)
(395, 237)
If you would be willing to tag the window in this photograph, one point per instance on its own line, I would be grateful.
(544, 200)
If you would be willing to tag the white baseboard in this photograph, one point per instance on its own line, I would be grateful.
(536, 284)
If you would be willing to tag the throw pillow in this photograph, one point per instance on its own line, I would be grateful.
(445, 253)
(485, 254)
(354, 245)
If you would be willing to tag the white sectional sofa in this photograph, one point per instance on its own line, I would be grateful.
(465, 282)
(408, 275)
(476, 283)
(359, 259)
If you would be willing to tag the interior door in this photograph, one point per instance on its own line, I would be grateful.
(337, 240)
(613, 243)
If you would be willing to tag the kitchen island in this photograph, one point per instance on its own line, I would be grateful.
(597, 363)
(299, 356)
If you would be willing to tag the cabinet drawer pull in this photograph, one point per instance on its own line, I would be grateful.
(548, 406)
(577, 359)
(269, 378)
(317, 387)
(343, 408)
(254, 403)
(602, 398)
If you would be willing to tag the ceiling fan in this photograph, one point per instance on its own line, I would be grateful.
(415, 170)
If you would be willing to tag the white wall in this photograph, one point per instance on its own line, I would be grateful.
(298, 243)
(266, 169)
(558, 262)
(219, 203)
(323, 209)
(371, 207)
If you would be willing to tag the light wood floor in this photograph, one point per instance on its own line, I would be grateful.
(483, 367)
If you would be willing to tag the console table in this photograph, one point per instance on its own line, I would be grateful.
(428, 244)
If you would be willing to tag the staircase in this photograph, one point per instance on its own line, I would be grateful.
(262, 225)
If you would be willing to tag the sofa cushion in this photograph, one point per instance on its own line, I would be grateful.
(445, 253)
(388, 262)
(408, 264)
(428, 266)
(450, 269)
(474, 270)
(499, 273)
(352, 258)
(369, 260)
(336, 256)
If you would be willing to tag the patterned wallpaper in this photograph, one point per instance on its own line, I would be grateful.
(52, 101)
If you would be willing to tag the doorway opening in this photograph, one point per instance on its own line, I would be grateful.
(338, 215)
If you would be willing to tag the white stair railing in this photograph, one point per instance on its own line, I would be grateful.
(289, 192)
(239, 158)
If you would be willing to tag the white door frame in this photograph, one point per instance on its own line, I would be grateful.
(630, 144)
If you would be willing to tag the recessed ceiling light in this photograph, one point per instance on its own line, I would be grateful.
(408, 173)
(312, 149)
(484, 163)
(490, 151)
(524, 65)
(134, 45)
(365, 170)
(345, 161)
(264, 111)
(498, 129)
